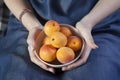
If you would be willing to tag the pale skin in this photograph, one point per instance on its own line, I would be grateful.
(102, 9)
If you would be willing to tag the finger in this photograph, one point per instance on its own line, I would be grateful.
(85, 32)
(51, 70)
(91, 42)
(72, 66)
(47, 67)
(36, 33)
(43, 66)
(32, 36)
(89, 39)
(81, 61)
(30, 40)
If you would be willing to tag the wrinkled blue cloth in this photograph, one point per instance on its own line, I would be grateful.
(103, 63)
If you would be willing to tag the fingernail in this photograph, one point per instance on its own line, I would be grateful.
(51, 70)
(63, 69)
(95, 46)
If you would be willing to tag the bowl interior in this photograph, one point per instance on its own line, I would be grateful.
(56, 63)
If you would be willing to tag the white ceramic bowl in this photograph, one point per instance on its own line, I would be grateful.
(55, 63)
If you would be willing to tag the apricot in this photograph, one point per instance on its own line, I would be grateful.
(66, 31)
(65, 54)
(46, 40)
(50, 27)
(58, 40)
(47, 53)
(74, 43)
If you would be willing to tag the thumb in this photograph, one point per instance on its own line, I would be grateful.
(89, 40)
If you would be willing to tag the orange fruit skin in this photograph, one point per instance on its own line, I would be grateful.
(65, 55)
(47, 53)
(74, 43)
(50, 27)
(66, 31)
(46, 40)
(58, 39)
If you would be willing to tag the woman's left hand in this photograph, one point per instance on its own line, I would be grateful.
(85, 32)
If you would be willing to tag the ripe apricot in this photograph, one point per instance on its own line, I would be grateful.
(58, 39)
(46, 40)
(66, 31)
(47, 53)
(74, 43)
(50, 27)
(65, 54)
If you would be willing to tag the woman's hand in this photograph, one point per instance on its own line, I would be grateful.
(85, 31)
(31, 40)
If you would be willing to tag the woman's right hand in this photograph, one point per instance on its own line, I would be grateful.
(31, 40)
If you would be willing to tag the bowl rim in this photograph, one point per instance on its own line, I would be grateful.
(62, 65)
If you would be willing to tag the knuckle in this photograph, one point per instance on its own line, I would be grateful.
(77, 24)
(28, 41)
(28, 48)
(32, 59)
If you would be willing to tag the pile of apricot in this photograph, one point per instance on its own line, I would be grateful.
(60, 43)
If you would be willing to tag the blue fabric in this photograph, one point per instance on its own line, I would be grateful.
(63, 11)
(103, 63)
